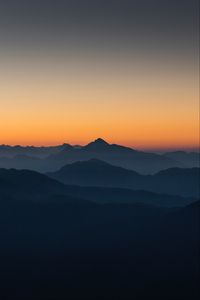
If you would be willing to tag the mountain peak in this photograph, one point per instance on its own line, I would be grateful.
(100, 141)
(97, 144)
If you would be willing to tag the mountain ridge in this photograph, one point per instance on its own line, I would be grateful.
(94, 172)
(52, 158)
(30, 185)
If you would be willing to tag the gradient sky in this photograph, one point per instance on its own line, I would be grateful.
(126, 71)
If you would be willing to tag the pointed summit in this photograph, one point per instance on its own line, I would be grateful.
(100, 141)
(98, 144)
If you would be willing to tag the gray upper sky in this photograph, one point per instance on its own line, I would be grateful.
(100, 23)
(125, 70)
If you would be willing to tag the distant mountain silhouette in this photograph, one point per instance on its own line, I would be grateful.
(49, 159)
(94, 172)
(97, 145)
(176, 181)
(189, 159)
(41, 152)
(139, 161)
(32, 186)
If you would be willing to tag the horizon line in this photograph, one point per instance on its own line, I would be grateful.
(140, 148)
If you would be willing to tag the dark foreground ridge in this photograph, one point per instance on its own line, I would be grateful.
(58, 245)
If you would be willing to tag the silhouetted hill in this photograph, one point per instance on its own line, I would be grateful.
(176, 181)
(91, 252)
(95, 172)
(139, 161)
(41, 152)
(48, 159)
(56, 157)
(179, 181)
(189, 159)
(97, 145)
(30, 157)
(119, 195)
(30, 185)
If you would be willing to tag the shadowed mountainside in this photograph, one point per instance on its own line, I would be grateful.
(40, 152)
(48, 159)
(117, 251)
(176, 181)
(189, 159)
(143, 162)
(70, 242)
(29, 185)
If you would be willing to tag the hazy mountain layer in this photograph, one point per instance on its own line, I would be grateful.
(47, 159)
(32, 186)
(176, 181)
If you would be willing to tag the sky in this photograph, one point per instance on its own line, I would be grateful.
(74, 70)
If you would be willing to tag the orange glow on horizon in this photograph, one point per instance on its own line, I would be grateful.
(137, 105)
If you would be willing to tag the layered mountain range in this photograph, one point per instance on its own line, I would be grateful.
(49, 159)
(99, 217)
(29, 186)
(59, 240)
(175, 181)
